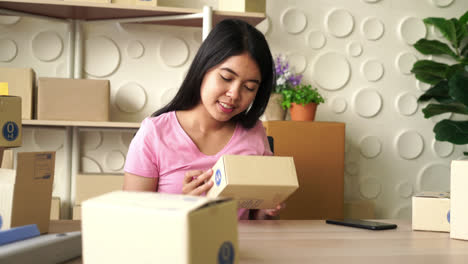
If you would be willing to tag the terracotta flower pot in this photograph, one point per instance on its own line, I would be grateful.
(303, 113)
(274, 110)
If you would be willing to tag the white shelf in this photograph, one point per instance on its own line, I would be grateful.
(80, 124)
(89, 11)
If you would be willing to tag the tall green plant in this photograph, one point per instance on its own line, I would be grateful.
(449, 83)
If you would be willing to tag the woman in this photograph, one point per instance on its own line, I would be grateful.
(215, 112)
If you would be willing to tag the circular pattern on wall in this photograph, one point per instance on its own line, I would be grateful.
(135, 49)
(47, 46)
(442, 149)
(354, 49)
(331, 71)
(412, 29)
(168, 95)
(367, 102)
(407, 104)
(49, 139)
(442, 3)
(370, 188)
(316, 39)
(405, 62)
(174, 52)
(9, 20)
(293, 20)
(338, 105)
(115, 160)
(404, 212)
(102, 57)
(263, 26)
(91, 140)
(372, 70)
(423, 86)
(372, 28)
(434, 177)
(130, 98)
(352, 168)
(405, 189)
(126, 138)
(62, 70)
(339, 23)
(409, 144)
(298, 61)
(89, 165)
(370, 147)
(8, 50)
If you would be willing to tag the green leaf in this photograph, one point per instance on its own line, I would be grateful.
(436, 109)
(452, 69)
(455, 132)
(464, 18)
(460, 31)
(438, 92)
(434, 47)
(458, 86)
(464, 51)
(428, 71)
(446, 27)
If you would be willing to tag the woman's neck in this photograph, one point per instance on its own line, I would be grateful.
(198, 118)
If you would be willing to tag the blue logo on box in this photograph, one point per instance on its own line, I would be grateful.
(10, 131)
(448, 216)
(218, 177)
(226, 253)
(1, 221)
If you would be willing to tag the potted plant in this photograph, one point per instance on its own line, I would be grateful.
(286, 79)
(449, 83)
(302, 102)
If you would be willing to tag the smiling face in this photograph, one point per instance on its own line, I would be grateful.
(230, 87)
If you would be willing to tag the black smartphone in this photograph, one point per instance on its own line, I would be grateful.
(372, 225)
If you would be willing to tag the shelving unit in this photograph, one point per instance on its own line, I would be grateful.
(76, 13)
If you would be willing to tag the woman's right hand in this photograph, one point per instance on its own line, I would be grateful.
(197, 182)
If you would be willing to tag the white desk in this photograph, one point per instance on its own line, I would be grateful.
(314, 241)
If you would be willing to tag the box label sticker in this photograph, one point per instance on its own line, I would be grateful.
(218, 177)
(10, 131)
(226, 253)
(249, 203)
(42, 169)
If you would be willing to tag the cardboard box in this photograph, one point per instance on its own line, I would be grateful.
(255, 181)
(10, 121)
(318, 152)
(148, 227)
(92, 185)
(55, 208)
(147, 2)
(258, 6)
(431, 211)
(7, 161)
(76, 212)
(459, 199)
(20, 83)
(26, 194)
(73, 99)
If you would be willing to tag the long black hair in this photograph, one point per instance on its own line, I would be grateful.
(228, 38)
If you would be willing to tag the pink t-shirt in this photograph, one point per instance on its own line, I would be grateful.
(161, 148)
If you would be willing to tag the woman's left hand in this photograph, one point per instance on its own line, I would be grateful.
(275, 211)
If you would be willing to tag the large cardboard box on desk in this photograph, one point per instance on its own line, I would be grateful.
(73, 99)
(20, 83)
(318, 152)
(431, 211)
(149, 227)
(26, 194)
(459, 199)
(10, 121)
(257, 182)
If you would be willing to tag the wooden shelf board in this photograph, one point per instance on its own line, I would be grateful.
(96, 11)
(80, 124)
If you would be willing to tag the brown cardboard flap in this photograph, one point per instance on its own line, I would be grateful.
(33, 189)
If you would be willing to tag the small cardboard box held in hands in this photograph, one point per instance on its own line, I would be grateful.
(148, 227)
(257, 182)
